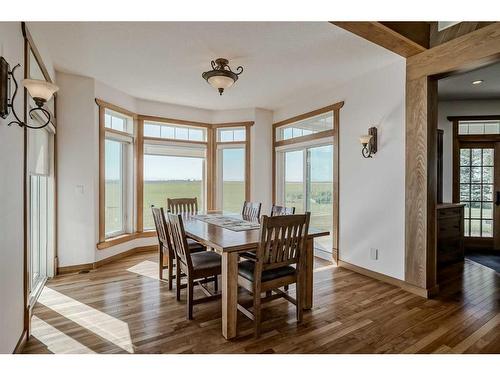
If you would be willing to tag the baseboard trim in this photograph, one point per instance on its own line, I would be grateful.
(426, 293)
(92, 266)
(21, 343)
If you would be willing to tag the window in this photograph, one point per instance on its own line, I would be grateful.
(115, 187)
(171, 131)
(172, 171)
(479, 127)
(117, 121)
(232, 154)
(307, 126)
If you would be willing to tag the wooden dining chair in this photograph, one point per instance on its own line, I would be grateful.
(251, 209)
(166, 254)
(182, 205)
(278, 262)
(200, 268)
(281, 210)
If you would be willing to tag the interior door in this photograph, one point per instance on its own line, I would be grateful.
(479, 190)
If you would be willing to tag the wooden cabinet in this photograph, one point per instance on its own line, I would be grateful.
(450, 233)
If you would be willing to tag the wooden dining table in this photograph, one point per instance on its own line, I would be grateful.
(228, 243)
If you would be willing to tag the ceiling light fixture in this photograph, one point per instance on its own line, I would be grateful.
(221, 76)
(477, 82)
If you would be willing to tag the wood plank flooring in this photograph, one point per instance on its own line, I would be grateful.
(123, 308)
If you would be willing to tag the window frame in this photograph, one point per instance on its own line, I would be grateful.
(322, 138)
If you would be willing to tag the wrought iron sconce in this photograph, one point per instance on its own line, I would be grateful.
(40, 91)
(369, 142)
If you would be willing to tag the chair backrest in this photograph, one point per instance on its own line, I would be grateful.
(182, 205)
(179, 239)
(282, 240)
(161, 227)
(251, 209)
(281, 210)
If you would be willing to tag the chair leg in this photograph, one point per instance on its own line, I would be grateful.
(256, 314)
(160, 264)
(190, 298)
(216, 283)
(299, 296)
(269, 293)
(286, 288)
(178, 281)
(170, 265)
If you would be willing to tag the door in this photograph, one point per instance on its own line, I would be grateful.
(479, 190)
(306, 177)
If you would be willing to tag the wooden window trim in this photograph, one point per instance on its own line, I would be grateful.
(139, 139)
(335, 108)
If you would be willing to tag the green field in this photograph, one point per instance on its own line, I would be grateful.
(156, 193)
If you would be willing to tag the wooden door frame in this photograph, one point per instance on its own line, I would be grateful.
(468, 52)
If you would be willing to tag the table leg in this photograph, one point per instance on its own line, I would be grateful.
(229, 294)
(308, 284)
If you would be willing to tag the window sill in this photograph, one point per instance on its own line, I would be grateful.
(109, 242)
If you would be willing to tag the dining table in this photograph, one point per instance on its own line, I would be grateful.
(229, 244)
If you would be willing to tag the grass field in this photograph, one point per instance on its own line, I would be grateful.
(156, 193)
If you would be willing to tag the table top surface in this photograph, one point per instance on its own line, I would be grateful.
(225, 239)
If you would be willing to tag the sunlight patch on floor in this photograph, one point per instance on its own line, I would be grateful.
(146, 268)
(56, 341)
(101, 324)
(324, 268)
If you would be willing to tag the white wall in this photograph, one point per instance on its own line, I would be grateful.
(458, 108)
(11, 195)
(372, 191)
(261, 159)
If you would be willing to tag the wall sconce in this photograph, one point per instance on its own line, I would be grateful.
(369, 142)
(40, 91)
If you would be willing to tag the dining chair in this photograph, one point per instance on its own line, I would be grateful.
(251, 209)
(200, 268)
(182, 205)
(278, 262)
(166, 253)
(281, 210)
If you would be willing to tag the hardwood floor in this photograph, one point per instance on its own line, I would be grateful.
(122, 307)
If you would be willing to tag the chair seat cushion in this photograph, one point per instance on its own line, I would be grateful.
(246, 269)
(195, 246)
(205, 259)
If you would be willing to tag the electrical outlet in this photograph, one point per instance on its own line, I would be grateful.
(374, 254)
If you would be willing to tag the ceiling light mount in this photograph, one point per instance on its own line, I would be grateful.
(221, 76)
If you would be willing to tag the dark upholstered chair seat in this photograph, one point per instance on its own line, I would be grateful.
(195, 246)
(246, 269)
(205, 259)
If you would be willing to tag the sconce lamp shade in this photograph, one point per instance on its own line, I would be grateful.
(365, 139)
(39, 89)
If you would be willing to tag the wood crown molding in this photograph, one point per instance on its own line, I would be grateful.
(384, 36)
(333, 107)
(473, 118)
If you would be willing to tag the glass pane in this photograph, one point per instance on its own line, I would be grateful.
(463, 128)
(467, 210)
(151, 130)
(239, 134)
(320, 193)
(113, 188)
(307, 126)
(107, 120)
(233, 179)
(476, 128)
(488, 175)
(475, 192)
(488, 193)
(465, 174)
(287, 133)
(487, 156)
(487, 212)
(464, 192)
(475, 228)
(225, 135)
(181, 133)
(296, 132)
(491, 127)
(118, 123)
(466, 228)
(168, 132)
(487, 228)
(476, 174)
(195, 135)
(294, 180)
(475, 210)
(465, 156)
(171, 177)
(476, 156)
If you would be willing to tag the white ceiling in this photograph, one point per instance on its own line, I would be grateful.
(163, 61)
(460, 87)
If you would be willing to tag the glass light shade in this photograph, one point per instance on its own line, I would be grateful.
(40, 89)
(365, 139)
(220, 82)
